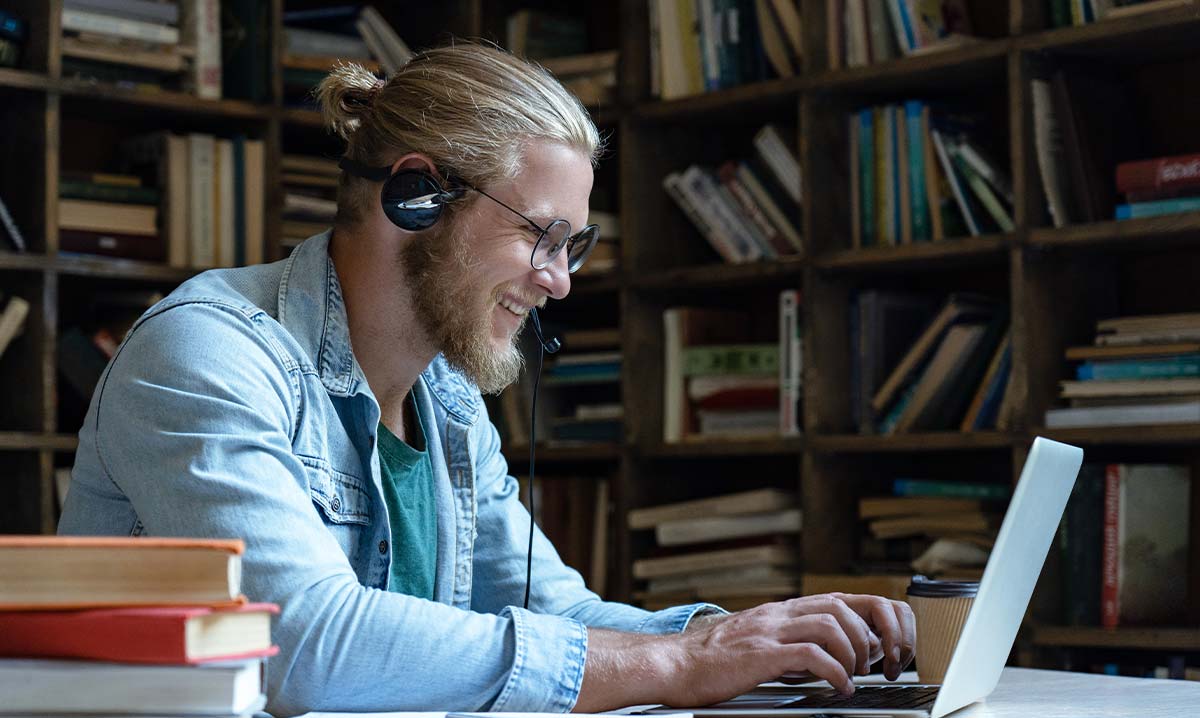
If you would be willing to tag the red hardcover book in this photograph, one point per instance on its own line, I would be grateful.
(1110, 610)
(1159, 173)
(170, 635)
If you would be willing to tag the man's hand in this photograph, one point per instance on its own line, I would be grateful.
(830, 637)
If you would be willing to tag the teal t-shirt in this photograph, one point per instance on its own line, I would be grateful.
(408, 490)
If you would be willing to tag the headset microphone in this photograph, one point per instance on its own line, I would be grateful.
(551, 345)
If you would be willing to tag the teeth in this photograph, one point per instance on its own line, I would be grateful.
(514, 308)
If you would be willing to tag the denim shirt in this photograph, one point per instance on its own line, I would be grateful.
(235, 408)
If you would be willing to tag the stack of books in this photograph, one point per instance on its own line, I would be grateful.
(1123, 543)
(1064, 13)
(705, 45)
(737, 550)
(94, 625)
(318, 39)
(310, 196)
(720, 381)
(1165, 185)
(917, 177)
(954, 376)
(591, 77)
(192, 200)
(142, 43)
(747, 210)
(942, 536)
(870, 31)
(1141, 370)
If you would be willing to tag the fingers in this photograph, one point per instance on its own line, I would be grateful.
(853, 625)
(826, 631)
(882, 616)
(908, 629)
(811, 657)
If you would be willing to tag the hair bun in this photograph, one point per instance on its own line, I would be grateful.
(345, 95)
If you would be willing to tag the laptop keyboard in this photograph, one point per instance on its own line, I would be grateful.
(896, 697)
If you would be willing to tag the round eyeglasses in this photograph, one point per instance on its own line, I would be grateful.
(553, 238)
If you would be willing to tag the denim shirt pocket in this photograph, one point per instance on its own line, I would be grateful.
(342, 501)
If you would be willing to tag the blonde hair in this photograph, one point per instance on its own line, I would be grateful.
(470, 107)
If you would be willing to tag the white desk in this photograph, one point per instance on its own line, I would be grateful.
(1026, 693)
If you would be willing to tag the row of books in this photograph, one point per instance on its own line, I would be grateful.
(864, 32)
(737, 550)
(1163, 185)
(579, 398)
(574, 512)
(148, 44)
(106, 625)
(1064, 13)
(1140, 370)
(721, 381)
(13, 32)
(916, 177)
(704, 45)
(747, 210)
(315, 40)
(192, 200)
(953, 368)
(1123, 543)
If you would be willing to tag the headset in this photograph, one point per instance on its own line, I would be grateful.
(413, 200)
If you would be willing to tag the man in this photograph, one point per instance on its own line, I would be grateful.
(327, 410)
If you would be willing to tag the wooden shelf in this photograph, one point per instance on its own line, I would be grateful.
(24, 80)
(1148, 31)
(164, 100)
(904, 257)
(951, 66)
(32, 261)
(518, 454)
(83, 265)
(930, 441)
(733, 102)
(1154, 639)
(1166, 434)
(33, 441)
(716, 276)
(300, 117)
(1132, 234)
(708, 446)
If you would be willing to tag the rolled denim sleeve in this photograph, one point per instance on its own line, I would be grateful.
(193, 424)
(557, 589)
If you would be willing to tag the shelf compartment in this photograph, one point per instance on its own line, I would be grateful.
(927, 441)
(905, 257)
(734, 101)
(961, 65)
(1148, 638)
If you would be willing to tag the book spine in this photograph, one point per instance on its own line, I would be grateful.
(206, 34)
(10, 228)
(922, 487)
(70, 189)
(145, 10)
(1109, 608)
(1155, 209)
(916, 167)
(902, 175)
(725, 360)
(1159, 173)
(1181, 366)
(83, 21)
(948, 168)
(983, 191)
(790, 362)
(867, 175)
(673, 184)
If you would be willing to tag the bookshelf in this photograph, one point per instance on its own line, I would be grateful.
(1056, 281)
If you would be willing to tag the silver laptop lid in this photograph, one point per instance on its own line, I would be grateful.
(1012, 570)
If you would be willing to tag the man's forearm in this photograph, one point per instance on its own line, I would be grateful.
(625, 669)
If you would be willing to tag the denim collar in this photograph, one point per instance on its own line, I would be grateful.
(313, 311)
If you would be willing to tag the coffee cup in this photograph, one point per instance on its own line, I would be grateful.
(940, 609)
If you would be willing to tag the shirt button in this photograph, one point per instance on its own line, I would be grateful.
(337, 504)
(383, 546)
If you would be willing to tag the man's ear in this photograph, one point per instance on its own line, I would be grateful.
(416, 161)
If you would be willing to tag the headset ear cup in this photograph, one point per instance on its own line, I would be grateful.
(406, 185)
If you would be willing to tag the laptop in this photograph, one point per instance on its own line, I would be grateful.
(987, 637)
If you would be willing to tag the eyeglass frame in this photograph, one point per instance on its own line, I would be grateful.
(378, 174)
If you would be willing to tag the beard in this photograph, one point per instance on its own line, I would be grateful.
(454, 313)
